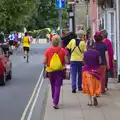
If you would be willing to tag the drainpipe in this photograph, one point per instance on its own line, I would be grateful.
(117, 40)
(94, 15)
(73, 18)
(87, 17)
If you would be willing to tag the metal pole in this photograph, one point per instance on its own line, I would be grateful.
(87, 15)
(73, 7)
(60, 19)
(117, 40)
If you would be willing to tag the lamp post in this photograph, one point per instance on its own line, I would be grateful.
(71, 11)
(87, 17)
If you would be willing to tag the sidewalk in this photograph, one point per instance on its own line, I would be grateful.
(74, 106)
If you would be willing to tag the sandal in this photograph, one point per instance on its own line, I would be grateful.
(95, 101)
(97, 95)
(106, 89)
(89, 104)
(55, 107)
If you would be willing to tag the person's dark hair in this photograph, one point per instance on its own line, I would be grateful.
(98, 36)
(105, 33)
(26, 34)
(75, 35)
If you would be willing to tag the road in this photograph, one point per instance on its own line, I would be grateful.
(15, 96)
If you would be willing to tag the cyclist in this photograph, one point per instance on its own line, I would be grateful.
(26, 46)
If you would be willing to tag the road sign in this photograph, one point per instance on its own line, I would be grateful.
(60, 4)
(63, 3)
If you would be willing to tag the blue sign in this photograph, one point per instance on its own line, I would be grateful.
(60, 4)
(63, 3)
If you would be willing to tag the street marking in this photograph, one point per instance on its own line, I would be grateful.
(31, 98)
(35, 100)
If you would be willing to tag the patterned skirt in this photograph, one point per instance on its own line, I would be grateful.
(90, 84)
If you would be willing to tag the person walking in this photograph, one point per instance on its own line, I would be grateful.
(26, 46)
(30, 37)
(110, 55)
(102, 48)
(16, 40)
(2, 37)
(20, 37)
(11, 38)
(37, 38)
(91, 74)
(77, 48)
(55, 58)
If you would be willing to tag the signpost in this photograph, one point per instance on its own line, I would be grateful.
(60, 4)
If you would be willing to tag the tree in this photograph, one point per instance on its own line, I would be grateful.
(13, 13)
(47, 16)
(33, 14)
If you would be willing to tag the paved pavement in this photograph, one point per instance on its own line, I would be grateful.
(15, 96)
(74, 106)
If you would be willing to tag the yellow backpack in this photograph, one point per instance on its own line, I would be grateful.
(55, 63)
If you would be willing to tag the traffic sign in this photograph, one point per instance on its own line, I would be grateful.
(63, 3)
(60, 4)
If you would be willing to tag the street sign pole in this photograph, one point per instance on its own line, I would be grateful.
(60, 19)
(60, 4)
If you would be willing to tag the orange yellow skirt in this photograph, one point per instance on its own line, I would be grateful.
(90, 84)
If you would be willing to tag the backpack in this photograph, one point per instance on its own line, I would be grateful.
(55, 62)
(77, 46)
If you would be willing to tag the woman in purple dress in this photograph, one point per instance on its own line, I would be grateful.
(91, 74)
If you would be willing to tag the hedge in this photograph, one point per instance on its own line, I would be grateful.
(42, 32)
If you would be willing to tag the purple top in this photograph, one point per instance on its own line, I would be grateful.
(91, 63)
(102, 48)
(91, 58)
(16, 38)
(94, 71)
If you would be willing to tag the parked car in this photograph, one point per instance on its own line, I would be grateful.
(5, 64)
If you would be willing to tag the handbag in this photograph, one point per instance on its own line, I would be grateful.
(67, 72)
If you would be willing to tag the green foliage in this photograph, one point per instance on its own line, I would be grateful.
(42, 32)
(13, 13)
(47, 16)
(33, 14)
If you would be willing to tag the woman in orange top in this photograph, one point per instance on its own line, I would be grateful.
(56, 77)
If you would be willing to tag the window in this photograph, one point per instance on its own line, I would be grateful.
(110, 4)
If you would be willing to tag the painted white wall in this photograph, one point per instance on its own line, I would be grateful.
(111, 28)
(109, 16)
(118, 33)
